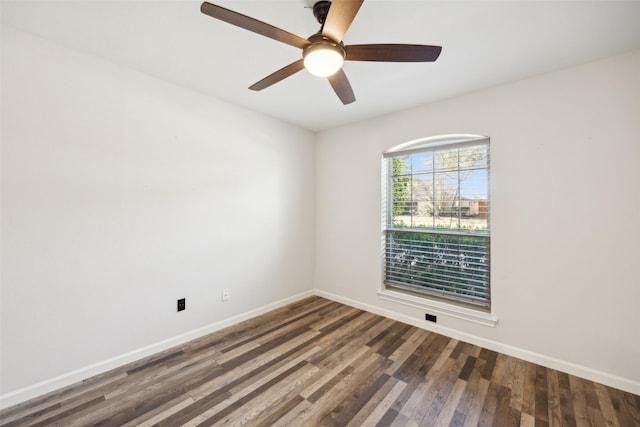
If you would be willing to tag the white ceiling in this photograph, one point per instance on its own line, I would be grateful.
(485, 43)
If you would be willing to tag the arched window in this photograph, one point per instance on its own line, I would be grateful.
(436, 226)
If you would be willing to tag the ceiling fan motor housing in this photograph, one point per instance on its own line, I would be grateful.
(320, 11)
(318, 41)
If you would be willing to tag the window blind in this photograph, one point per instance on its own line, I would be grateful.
(436, 233)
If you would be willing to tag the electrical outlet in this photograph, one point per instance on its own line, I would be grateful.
(182, 304)
(225, 294)
(430, 317)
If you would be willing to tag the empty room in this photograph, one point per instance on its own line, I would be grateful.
(313, 213)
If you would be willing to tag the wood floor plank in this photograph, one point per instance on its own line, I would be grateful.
(457, 350)
(490, 361)
(242, 403)
(473, 400)
(338, 343)
(443, 369)
(489, 407)
(606, 407)
(579, 402)
(527, 420)
(411, 366)
(279, 411)
(61, 416)
(566, 402)
(59, 400)
(403, 352)
(387, 346)
(419, 402)
(469, 364)
(330, 376)
(593, 404)
(529, 390)
(371, 412)
(504, 413)
(141, 400)
(279, 401)
(509, 375)
(626, 407)
(448, 410)
(517, 390)
(444, 389)
(317, 362)
(214, 399)
(541, 396)
(553, 399)
(353, 403)
(401, 421)
(152, 417)
(500, 374)
(289, 418)
(388, 418)
(325, 403)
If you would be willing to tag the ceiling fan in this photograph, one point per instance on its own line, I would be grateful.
(324, 52)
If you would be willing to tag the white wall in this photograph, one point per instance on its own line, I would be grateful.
(121, 194)
(565, 194)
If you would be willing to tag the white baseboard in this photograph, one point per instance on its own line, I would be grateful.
(43, 387)
(530, 356)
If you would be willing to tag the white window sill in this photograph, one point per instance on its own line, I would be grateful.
(442, 308)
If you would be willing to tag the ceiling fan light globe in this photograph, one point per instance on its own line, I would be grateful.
(323, 60)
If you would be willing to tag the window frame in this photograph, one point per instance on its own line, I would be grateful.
(427, 298)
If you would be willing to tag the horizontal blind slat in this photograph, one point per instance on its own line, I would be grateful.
(477, 282)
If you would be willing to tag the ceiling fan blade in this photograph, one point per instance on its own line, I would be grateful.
(279, 75)
(392, 52)
(254, 25)
(342, 87)
(339, 19)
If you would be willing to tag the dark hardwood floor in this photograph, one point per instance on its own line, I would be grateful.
(321, 363)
